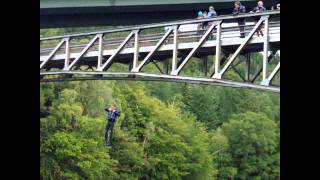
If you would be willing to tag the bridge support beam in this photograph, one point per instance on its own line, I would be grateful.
(267, 81)
(147, 58)
(218, 49)
(52, 53)
(107, 63)
(68, 67)
(203, 38)
(67, 51)
(165, 66)
(175, 49)
(238, 72)
(265, 51)
(219, 74)
(273, 53)
(136, 50)
(248, 66)
(158, 77)
(157, 66)
(100, 56)
(205, 66)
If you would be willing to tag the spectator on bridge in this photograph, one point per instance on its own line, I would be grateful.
(200, 15)
(212, 12)
(200, 25)
(205, 14)
(258, 9)
(205, 24)
(238, 9)
(113, 113)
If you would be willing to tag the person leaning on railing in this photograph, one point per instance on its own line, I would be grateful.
(200, 25)
(211, 13)
(259, 8)
(205, 24)
(239, 8)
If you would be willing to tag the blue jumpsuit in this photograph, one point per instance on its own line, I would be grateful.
(111, 116)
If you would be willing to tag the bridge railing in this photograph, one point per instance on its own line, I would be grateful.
(156, 25)
(75, 47)
(226, 32)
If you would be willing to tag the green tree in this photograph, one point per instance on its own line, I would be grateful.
(70, 147)
(254, 142)
(174, 146)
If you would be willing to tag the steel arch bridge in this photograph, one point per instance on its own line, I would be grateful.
(91, 56)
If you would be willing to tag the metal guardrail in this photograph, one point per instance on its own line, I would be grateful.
(157, 36)
(156, 25)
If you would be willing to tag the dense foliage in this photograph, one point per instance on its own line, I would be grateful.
(165, 131)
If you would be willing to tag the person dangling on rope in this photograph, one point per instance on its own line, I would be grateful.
(112, 114)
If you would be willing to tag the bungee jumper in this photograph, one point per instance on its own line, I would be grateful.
(112, 114)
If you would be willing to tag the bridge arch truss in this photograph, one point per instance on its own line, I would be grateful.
(65, 57)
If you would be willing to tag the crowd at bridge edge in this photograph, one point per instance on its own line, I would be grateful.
(239, 8)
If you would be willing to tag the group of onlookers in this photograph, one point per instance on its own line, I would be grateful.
(205, 14)
(238, 9)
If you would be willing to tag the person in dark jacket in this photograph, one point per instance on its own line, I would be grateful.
(239, 8)
(258, 9)
(112, 114)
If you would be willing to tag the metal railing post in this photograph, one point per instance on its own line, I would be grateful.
(100, 56)
(136, 49)
(265, 50)
(175, 48)
(218, 49)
